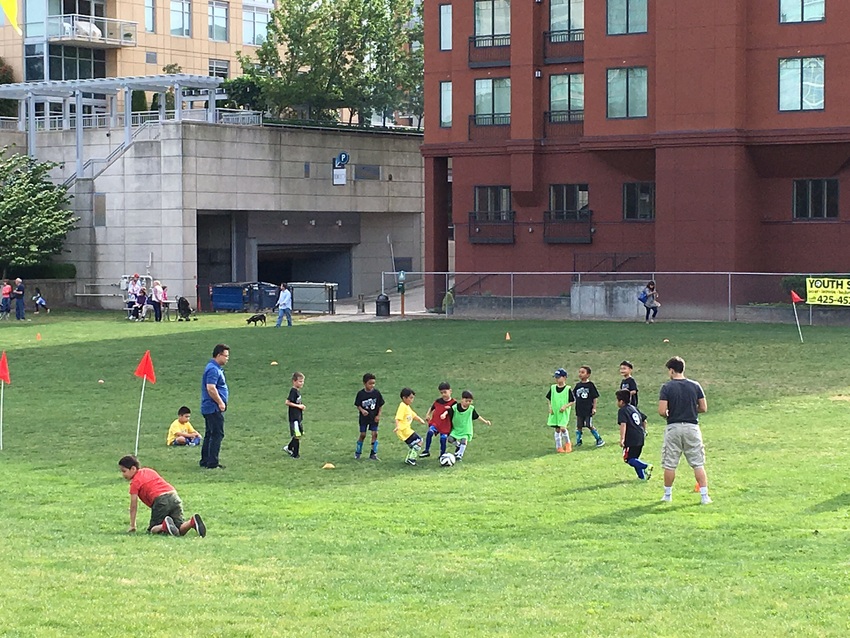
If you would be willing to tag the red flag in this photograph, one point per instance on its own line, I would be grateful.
(4, 369)
(145, 369)
(795, 298)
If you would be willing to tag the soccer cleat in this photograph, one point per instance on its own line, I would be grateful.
(705, 500)
(288, 451)
(579, 443)
(410, 461)
(198, 524)
(374, 457)
(169, 526)
(667, 498)
(647, 473)
(568, 447)
(424, 454)
(357, 455)
(600, 443)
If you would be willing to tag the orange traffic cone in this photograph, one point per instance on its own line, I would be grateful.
(38, 336)
(507, 336)
(696, 487)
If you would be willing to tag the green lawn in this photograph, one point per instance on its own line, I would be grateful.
(515, 541)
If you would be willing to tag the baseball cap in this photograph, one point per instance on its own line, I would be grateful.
(135, 275)
(560, 372)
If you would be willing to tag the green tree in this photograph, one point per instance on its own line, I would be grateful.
(169, 69)
(8, 108)
(33, 211)
(138, 101)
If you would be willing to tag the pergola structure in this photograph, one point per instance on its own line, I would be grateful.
(30, 93)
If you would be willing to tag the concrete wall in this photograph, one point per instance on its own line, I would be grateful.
(606, 300)
(260, 176)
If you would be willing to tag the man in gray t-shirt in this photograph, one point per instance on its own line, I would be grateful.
(681, 401)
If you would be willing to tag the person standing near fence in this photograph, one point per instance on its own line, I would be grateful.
(18, 294)
(156, 300)
(284, 305)
(649, 296)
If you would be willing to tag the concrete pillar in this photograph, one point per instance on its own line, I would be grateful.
(78, 121)
(178, 102)
(66, 114)
(31, 126)
(436, 229)
(128, 117)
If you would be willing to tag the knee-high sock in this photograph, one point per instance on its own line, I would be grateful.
(428, 438)
(639, 466)
(595, 434)
(578, 435)
(443, 438)
(461, 448)
(359, 448)
(558, 443)
(375, 447)
(295, 446)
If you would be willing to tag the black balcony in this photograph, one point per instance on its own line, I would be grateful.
(568, 226)
(489, 50)
(568, 125)
(491, 227)
(489, 127)
(563, 47)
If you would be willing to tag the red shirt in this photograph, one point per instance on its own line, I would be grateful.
(7, 290)
(148, 485)
(444, 426)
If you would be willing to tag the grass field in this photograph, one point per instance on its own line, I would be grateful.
(515, 541)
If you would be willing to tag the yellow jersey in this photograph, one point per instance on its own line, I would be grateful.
(404, 420)
(176, 427)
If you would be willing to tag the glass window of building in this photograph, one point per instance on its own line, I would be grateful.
(802, 10)
(566, 20)
(493, 102)
(255, 25)
(445, 104)
(150, 16)
(815, 198)
(181, 18)
(76, 63)
(492, 22)
(33, 62)
(627, 92)
(219, 68)
(566, 97)
(568, 200)
(639, 200)
(801, 84)
(493, 202)
(445, 27)
(627, 16)
(217, 13)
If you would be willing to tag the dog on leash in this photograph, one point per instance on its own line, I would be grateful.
(257, 318)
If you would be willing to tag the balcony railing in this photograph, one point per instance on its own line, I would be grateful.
(561, 47)
(489, 127)
(563, 124)
(92, 32)
(568, 226)
(491, 227)
(490, 50)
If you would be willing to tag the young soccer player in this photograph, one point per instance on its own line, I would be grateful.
(369, 403)
(296, 416)
(463, 415)
(631, 435)
(436, 424)
(586, 395)
(629, 383)
(181, 431)
(404, 418)
(561, 401)
(166, 507)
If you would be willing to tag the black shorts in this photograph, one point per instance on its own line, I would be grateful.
(413, 439)
(584, 421)
(371, 426)
(292, 425)
(632, 452)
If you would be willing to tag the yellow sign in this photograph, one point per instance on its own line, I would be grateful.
(10, 8)
(827, 292)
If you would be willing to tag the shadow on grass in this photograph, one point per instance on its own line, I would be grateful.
(629, 513)
(835, 503)
(593, 488)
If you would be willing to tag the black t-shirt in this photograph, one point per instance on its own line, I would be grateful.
(629, 415)
(631, 385)
(371, 402)
(570, 398)
(682, 396)
(474, 413)
(295, 414)
(585, 392)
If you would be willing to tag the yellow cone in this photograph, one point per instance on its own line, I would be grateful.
(329, 466)
(507, 336)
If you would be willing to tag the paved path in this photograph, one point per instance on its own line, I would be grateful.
(414, 307)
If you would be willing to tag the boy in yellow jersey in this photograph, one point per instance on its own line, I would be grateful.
(181, 431)
(561, 401)
(404, 418)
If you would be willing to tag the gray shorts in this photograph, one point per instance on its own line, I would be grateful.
(168, 504)
(682, 438)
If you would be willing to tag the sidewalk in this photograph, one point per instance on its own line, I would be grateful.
(414, 307)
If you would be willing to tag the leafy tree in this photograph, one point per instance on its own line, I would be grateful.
(169, 69)
(138, 101)
(8, 108)
(33, 216)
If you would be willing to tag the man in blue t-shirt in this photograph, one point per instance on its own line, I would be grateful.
(213, 405)
(681, 401)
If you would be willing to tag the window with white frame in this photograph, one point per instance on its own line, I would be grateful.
(255, 25)
(445, 27)
(802, 10)
(219, 68)
(627, 16)
(627, 92)
(217, 20)
(801, 84)
(445, 104)
(181, 18)
(150, 16)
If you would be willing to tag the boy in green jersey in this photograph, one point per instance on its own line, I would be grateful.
(561, 401)
(463, 414)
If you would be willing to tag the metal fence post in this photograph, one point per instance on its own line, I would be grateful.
(512, 295)
(578, 303)
(729, 299)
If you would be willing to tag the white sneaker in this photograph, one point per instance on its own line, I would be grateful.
(705, 500)
(667, 498)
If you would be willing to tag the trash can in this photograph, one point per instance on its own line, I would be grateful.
(382, 306)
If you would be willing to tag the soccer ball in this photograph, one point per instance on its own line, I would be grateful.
(447, 459)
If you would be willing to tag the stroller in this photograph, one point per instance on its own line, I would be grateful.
(184, 310)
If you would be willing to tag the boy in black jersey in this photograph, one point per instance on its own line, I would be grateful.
(296, 415)
(586, 394)
(629, 383)
(631, 435)
(369, 403)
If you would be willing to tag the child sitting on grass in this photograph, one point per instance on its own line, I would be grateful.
(181, 431)
(166, 507)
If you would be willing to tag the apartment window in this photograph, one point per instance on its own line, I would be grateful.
(566, 17)
(255, 25)
(639, 200)
(33, 62)
(815, 198)
(493, 102)
(567, 201)
(181, 18)
(566, 97)
(217, 13)
(219, 68)
(493, 202)
(627, 92)
(445, 104)
(627, 16)
(150, 57)
(76, 63)
(150, 16)
(801, 84)
(492, 22)
(802, 10)
(445, 27)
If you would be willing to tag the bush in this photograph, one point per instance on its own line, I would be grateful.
(43, 271)
(796, 283)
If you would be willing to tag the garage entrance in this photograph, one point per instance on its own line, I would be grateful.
(332, 263)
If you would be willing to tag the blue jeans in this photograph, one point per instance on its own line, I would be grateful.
(20, 312)
(281, 313)
(213, 435)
